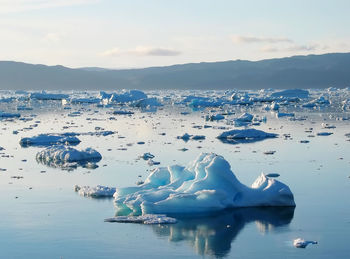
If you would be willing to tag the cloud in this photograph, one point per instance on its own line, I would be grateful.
(238, 39)
(16, 6)
(52, 37)
(293, 48)
(142, 51)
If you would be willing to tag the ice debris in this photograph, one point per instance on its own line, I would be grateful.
(207, 184)
(9, 115)
(245, 135)
(144, 219)
(65, 157)
(301, 243)
(98, 191)
(48, 140)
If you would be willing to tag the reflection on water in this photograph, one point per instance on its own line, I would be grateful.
(213, 235)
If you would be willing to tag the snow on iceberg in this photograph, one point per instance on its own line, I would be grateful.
(98, 191)
(244, 136)
(48, 140)
(67, 157)
(208, 184)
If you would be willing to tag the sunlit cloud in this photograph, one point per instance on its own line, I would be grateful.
(294, 48)
(239, 39)
(142, 51)
(15, 6)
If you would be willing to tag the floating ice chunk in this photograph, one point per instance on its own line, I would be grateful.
(60, 156)
(184, 137)
(150, 162)
(283, 114)
(207, 184)
(122, 112)
(245, 117)
(147, 156)
(215, 117)
(98, 191)
(198, 137)
(245, 134)
(301, 243)
(9, 115)
(147, 102)
(48, 96)
(324, 133)
(144, 219)
(128, 96)
(48, 140)
(275, 106)
(292, 93)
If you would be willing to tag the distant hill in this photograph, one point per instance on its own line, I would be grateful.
(312, 71)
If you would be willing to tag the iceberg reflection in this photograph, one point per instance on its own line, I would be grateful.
(212, 235)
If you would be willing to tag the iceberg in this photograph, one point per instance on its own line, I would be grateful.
(48, 140)
(67, 157)
(244, 136)
(98, 191)
(207, 184)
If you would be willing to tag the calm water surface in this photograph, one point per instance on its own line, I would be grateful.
(42, 216)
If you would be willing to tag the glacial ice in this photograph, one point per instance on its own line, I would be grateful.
(98, 191)
(207, 184)
(66, 157)
(48, 140)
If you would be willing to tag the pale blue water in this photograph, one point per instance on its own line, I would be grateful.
(42, 216)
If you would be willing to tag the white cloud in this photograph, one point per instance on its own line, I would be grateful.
(52, 37)
(239, 39)
(142, 51)
(15, 6)
(293, 48)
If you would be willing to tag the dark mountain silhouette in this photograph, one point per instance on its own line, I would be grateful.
(312, 71)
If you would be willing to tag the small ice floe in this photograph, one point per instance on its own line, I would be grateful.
(215, 117)
(150, 162)
(327, 126)
(9, 115)
(274, 175)
(48, 96)
(245, 135)
(147, 156)
(98, 191)
(304, 141)
(270, 152)
(207, 184)
(48, 140)
(122, 112)
(67, 157)
(324, 133)
(291, 93)
(283, 114)
(144, 219)
(301, 243)
(186, 137)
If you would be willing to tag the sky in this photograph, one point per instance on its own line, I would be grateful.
(144, 33)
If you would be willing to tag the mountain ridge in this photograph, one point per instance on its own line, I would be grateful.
(311, 71)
